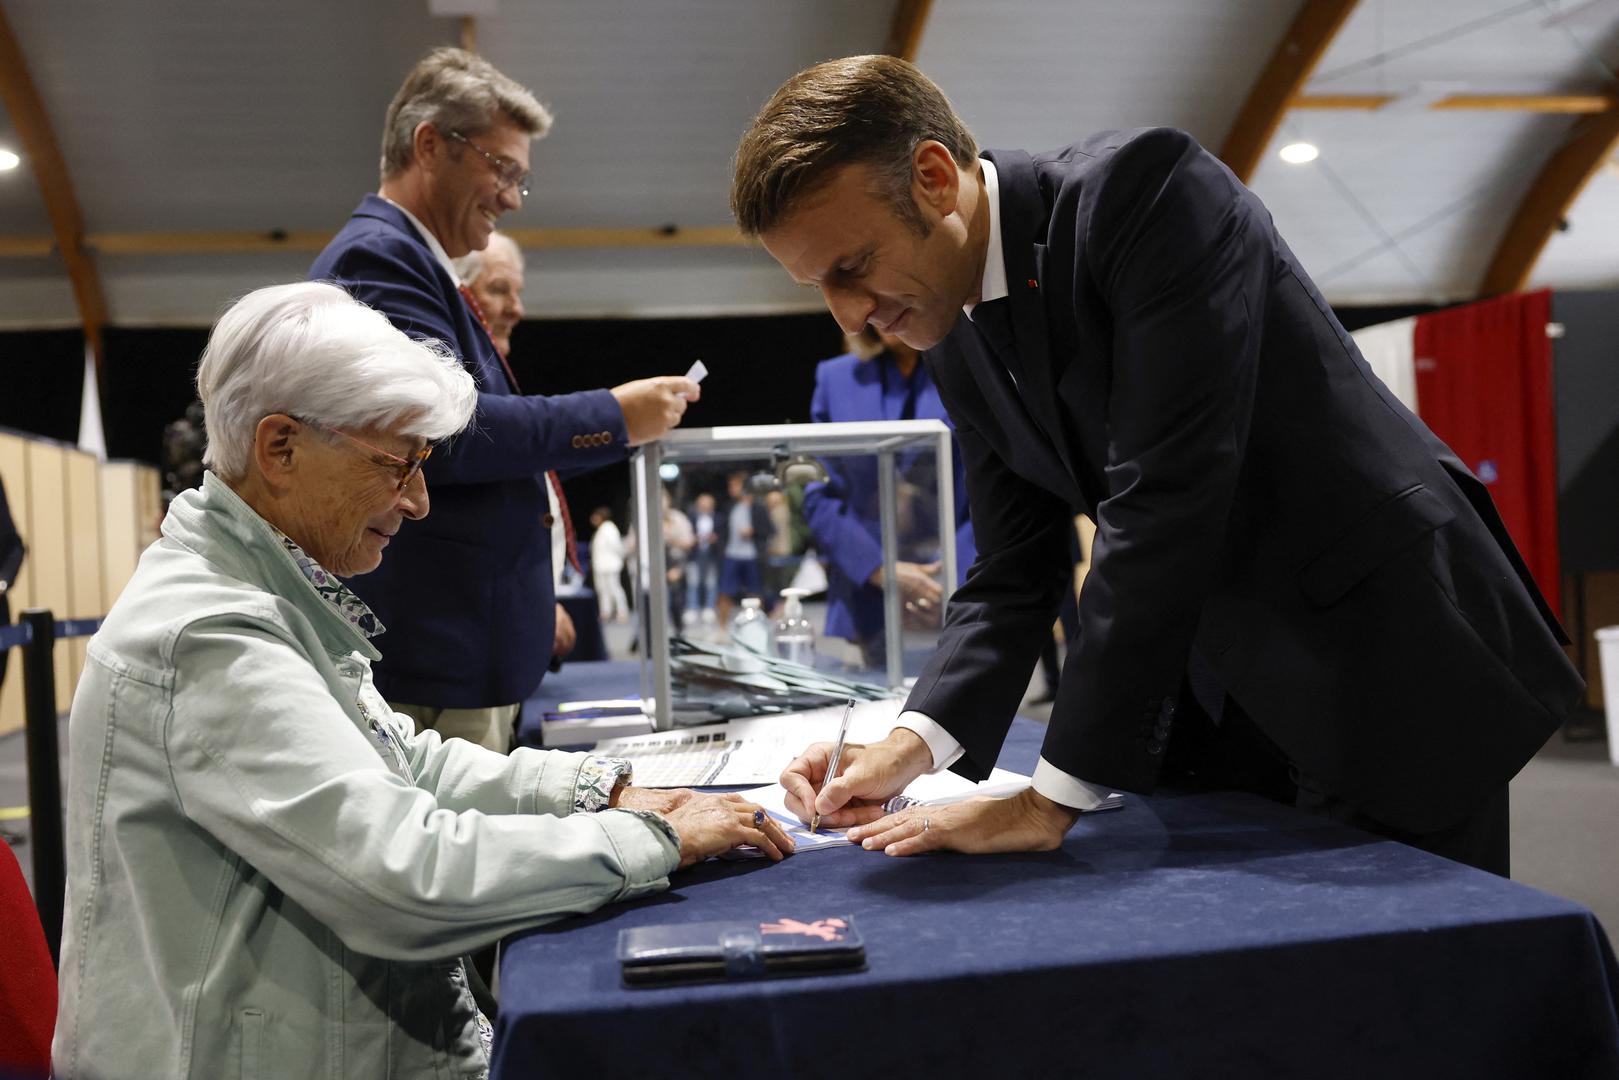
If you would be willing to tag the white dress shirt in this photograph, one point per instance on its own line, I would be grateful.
(430, 240)
(1050, 781)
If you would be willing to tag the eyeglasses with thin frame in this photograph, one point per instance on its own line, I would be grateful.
(406, 468)
(511, 174)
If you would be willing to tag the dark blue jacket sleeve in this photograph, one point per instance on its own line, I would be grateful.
(511, 435)
(839, 534)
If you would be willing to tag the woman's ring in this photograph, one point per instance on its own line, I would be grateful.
(758, 818)
(924, 824)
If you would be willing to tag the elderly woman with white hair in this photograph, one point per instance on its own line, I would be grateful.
(269, 874)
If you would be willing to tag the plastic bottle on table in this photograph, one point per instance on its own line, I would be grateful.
(795, 635)
(750, 627)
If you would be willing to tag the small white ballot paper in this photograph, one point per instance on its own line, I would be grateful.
(697, 372)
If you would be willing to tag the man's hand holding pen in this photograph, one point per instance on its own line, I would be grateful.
(870, 775)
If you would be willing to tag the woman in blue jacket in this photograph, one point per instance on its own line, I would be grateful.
(881, 378)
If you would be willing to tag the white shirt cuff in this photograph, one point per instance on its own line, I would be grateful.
(1066, 790)
(941, 743)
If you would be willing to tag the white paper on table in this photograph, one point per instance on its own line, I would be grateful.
(932, 789)
(750, 751)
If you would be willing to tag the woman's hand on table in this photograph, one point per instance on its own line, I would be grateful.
(657, 800)
(711, 824)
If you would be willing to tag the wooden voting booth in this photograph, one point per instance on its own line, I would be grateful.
(85, 523)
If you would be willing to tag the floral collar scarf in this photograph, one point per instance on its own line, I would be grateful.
(334, 592)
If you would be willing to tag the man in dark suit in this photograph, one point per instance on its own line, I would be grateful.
(1295, 586)
(467, 593)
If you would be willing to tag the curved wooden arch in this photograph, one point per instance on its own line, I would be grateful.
(1548, 202)
(55, 186)
(905, 32)
(1290, 66)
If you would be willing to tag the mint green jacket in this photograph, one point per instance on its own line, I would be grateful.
(268, 874)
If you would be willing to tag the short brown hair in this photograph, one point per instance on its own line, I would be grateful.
(866, 110)
(455, 90)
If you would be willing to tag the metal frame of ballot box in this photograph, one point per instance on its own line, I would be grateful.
(779, 442)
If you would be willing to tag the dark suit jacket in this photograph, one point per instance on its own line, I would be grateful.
(1259, 496)
(466, 593)
(843, 514)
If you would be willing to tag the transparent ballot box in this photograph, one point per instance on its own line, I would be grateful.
(789, 456)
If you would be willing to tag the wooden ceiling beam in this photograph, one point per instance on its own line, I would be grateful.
(905, 32)
(44, 156)
(228, 243)
(1290, 67)
(1535, 103)
(1548, 202)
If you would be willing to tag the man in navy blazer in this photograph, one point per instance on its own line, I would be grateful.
(467, 592)
(1290, 570)
(888, 382)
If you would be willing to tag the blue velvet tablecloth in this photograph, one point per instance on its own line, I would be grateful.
(1210, 935)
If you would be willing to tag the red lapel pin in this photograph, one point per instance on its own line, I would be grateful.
(1033, 284)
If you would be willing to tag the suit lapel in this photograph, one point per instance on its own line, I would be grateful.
(1010, 428)
(1023, 213)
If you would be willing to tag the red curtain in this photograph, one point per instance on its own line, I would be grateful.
(1484, 384)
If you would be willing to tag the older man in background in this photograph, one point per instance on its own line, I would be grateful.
(469, 594)
(495, 278)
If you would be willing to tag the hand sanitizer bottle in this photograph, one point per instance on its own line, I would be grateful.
(750, 628)
(795, 634)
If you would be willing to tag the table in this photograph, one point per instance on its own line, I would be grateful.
(585, 681)
(1181, 936)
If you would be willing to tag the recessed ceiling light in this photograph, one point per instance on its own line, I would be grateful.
(8, 160)
(1297, 153)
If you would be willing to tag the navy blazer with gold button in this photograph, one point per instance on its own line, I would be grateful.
(466, 593)
(1259, 497)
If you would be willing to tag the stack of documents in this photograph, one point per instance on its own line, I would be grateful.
(726, 681)
(750, 751)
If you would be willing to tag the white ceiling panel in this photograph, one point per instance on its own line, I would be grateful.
(1039, 74)
(1484, 46)
(650, 99)
(1440, 185)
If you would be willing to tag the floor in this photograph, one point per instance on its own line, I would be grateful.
(1565, 808)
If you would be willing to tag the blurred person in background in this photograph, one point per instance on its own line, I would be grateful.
(11, 556)
(703, 569)
(607, 552)
(880, 378)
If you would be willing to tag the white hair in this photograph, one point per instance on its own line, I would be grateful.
(312, 351)
(458, 91)
(470, 267)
